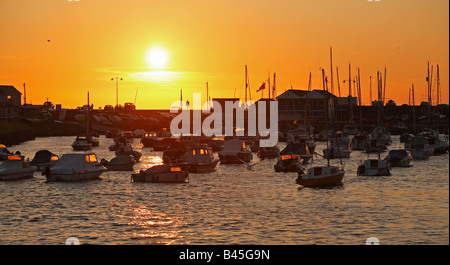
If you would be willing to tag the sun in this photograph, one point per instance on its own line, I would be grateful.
(157, 57)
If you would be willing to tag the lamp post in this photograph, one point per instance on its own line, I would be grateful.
(117, 89)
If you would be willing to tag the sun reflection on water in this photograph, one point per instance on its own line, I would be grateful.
(157, 227)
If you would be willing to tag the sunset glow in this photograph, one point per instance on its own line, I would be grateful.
(58, 46)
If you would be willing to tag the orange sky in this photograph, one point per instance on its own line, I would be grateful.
(92, 41)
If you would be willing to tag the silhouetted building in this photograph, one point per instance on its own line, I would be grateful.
(296, 105)
(10, 101)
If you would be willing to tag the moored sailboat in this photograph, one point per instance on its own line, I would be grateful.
(322, 176)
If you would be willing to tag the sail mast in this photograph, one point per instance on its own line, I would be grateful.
(326, 115)
(331, 63)
(246, 83)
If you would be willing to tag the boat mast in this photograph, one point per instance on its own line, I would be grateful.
(360, 100)
(274, 85)
(414, 109)
(87, 116)
(339, 85)
(438, 85)
(326, 115)
(331, 63)
(307, 105)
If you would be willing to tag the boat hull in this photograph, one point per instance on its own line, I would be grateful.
(326, 181)
(165, 177)
(293, 167)
(203, 167)
(421, 154)
(127, 167)
(362, 171)
(73, 177)
(240, 158)
(82, 147)
(17, 176)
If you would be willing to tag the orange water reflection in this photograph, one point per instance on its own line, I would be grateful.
(158, 227)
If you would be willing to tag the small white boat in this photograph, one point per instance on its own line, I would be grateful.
(119, 163)
(321, 176)
(75, 167)
(235, 152)
(198, 159)
(339, 146)
(161, 174)
(374, 167)
(81, 143)
(14, 168)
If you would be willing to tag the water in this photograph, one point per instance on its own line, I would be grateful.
(229, 206)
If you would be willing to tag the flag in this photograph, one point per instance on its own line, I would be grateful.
(263, 86)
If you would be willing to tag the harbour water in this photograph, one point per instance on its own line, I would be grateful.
(229, 206)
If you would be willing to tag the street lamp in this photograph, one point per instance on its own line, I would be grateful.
(117, 89)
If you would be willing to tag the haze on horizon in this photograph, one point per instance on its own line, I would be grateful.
(61, 49)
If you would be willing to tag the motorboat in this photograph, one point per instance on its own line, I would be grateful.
(81, 143)
(113, 134)
(119, 163)
(162, 144)
(4, 152)
(198, 159)
(321, 176)
(419, 148)
(91, 137)
(14, 168)
(175, 153)
(75, 167)
(268, 152)
(161, 174)
(129, 136)
(149, 139)
(359, 141)
(375, 146)
(43, 159)
(382, 134)
(339, 146)
(374, 167)
(299, 148)
(216, 144)
(288, 163)
(439, 146)
(128, 150)
(301, 135)
(399, 158)
(94, 139)
(235, 152)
